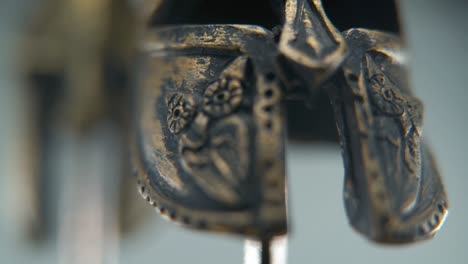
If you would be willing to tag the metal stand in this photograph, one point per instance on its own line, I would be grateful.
(267, 251)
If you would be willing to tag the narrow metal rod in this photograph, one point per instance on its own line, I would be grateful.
(266, 251)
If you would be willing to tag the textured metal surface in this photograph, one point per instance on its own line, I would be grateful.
(210, 139)
(393, 191)
(312, 47)
(209, 108)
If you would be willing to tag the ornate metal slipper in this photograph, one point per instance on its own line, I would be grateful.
(209, 140)
(210, 132)
(393, 192)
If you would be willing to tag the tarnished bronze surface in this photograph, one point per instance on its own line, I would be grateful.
(393, 191)
(312, 47)
(209, 129)
(209, 107)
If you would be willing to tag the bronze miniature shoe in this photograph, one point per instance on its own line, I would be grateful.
(209, 148)
(209, 139)
(393, 191)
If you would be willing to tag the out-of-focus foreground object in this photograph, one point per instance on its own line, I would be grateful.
(76, 59)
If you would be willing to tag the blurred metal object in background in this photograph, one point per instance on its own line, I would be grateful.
(76, 62)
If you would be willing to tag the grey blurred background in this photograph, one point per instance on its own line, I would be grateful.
(438, 43)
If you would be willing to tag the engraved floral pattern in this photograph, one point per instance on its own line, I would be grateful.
(181, 111)
(386, 97)
(222, 97)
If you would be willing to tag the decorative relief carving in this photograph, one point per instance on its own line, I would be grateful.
(213, 145)
(393, 191)
(220, 165)
(386, 97)
(222, 97)
(230, 184)
(180, 112)
(404, 109)
(226, 136)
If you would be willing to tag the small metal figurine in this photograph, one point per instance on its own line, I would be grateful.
(214, 88)
(210, 124)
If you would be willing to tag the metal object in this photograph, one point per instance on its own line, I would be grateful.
(393, 192)
(210, 110)
(272, 251)
(209, 139)
(210, 132)
(75, 63)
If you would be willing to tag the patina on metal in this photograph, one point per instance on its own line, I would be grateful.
(393, 191)
(210, 128)
(209, 105)
(210, 140)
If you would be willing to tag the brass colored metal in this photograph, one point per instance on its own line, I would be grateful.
(209, 108)
(393, 192)
(311, 45)
(210, 140)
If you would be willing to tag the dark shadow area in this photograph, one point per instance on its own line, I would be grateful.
(315, 122)
(371, 14)
(251, 12)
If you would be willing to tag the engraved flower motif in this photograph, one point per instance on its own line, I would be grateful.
(180, 112)
(387, 97)
(222, 97)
